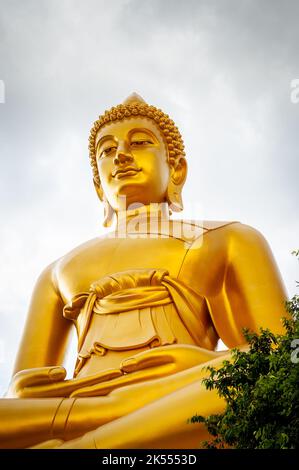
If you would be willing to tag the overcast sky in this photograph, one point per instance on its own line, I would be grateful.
(222, 70)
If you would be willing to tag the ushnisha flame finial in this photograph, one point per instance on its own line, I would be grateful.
(134, 98)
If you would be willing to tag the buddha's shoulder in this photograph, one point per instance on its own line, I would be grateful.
(234, 229)
(229, 227)
(205, 226)
(75, 257)
(224, 231)
(84, 251)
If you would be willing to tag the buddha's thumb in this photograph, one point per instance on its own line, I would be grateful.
(33, 377)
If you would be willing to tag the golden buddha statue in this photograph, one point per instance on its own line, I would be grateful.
(149, 305)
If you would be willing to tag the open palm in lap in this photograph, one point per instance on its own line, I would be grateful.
(46, 382)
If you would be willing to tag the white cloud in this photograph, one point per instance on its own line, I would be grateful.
(222, 70)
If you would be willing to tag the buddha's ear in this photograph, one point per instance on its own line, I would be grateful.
(177, 178)
(178, 170)
(99, 189)
(108, 210)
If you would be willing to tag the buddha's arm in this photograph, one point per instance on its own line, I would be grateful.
(253, 295)
(46, 331)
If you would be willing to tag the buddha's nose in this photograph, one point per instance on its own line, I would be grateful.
(122, 157)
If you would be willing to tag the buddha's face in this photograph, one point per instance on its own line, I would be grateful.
(132, 161)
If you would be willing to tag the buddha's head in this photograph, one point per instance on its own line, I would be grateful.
(137, 156)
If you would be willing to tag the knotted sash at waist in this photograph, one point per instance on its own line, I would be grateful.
(132, 308)
(129, 299)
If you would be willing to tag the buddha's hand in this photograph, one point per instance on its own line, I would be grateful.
(152, 364)
(45, 382)
(178, 356)
(32, 379)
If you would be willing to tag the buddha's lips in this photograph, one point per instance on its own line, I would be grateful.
(124, 171)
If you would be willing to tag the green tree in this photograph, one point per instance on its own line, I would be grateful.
(261, 390)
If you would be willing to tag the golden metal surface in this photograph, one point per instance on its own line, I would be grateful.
(149, 300)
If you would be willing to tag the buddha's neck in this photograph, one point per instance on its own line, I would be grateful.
(143, 214)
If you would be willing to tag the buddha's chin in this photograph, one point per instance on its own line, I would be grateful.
(135, 190)
(129, 190)
(130, 185)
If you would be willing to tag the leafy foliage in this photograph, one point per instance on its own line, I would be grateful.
(261, 390)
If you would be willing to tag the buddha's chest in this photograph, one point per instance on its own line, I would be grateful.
(113, 255)
(130, 253)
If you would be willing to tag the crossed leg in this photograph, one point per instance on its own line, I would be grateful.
(164, 422)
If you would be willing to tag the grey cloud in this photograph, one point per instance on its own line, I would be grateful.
(221, 69)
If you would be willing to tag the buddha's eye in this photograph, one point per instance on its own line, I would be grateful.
(109, 150)
(140, 143)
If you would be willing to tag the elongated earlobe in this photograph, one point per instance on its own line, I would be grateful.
(174, 198)
(176, 182)
(108, 214)
(108, 209)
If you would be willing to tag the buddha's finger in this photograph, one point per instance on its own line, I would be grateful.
(128, 379)
(66, 388)
(150, 358)
(101, 377)
(34, 377)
